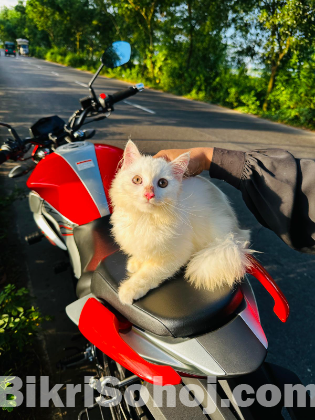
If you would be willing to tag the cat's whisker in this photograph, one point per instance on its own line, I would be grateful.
(182, 219)
(191, 208)
(183, 210)
(186, 198)
(176, 215)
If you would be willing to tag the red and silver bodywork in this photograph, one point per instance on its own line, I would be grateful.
(70, 200)
(70, 188)
(134, 348)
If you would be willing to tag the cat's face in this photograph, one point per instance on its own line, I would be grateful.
(146, 183)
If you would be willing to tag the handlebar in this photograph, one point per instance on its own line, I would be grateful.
(122, 94)
(107, 105)
(14, 149)
(77, 124)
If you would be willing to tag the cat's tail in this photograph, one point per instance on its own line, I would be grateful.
(223, 262)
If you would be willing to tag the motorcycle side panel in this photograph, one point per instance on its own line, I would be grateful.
(75, 180)
(111, 343)
(232, 350)
(56, 228)
(108, 158)
(237, 348)
(64, 227)
(58, 184)
(81, 157)
(43, 225)
(36, 204)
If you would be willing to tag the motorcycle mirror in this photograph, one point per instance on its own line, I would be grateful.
(117, 54)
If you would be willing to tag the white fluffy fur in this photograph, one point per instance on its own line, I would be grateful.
(188, 222)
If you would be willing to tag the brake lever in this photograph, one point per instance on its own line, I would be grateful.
(12, 132)
(15, 135)
(94, 119)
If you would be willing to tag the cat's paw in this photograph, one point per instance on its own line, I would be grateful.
(124, 294)
(133, 265)
(128, 292)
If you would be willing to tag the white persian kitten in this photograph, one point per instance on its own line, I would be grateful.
(164, 222)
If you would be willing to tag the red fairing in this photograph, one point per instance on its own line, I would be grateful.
(58, 184)
(35, 150)
(281, 307)
(108, 158)
(101, 327)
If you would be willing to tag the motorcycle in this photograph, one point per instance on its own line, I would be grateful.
(207, 343)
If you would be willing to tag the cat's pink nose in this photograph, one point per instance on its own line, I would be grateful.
(149, 195)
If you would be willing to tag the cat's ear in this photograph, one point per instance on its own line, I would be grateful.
(131, 154)
(180, 165)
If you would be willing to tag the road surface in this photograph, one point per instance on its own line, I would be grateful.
(31, 89)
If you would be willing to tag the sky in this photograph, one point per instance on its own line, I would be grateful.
(8, 3)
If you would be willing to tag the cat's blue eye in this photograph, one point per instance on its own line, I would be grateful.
(162, 183)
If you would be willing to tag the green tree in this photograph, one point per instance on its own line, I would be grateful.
(193, 46)
(68, 23)
(274, 29)
(139, 21)
(290, 25)
(12, 23)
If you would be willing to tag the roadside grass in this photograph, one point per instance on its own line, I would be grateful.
(20, 351)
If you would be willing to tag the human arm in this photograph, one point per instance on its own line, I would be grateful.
(276, 187)
(200, 158)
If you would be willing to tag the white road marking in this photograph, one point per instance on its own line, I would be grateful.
(56, 74)
(81, 84)
(39, 67)
(32, 65)
(140, 107)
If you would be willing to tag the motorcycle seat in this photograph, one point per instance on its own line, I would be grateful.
(94, 242)
(176, 308)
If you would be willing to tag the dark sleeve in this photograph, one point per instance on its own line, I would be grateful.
(277, 188)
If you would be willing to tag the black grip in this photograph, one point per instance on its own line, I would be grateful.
(4, 156)
(123, 94)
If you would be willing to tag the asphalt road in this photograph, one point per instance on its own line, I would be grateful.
(31, 89)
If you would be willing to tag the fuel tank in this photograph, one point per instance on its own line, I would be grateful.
(75, 180)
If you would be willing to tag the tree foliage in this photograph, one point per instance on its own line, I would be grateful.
(253, 55)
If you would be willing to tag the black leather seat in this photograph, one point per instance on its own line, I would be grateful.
(176, 308)
(94, 242)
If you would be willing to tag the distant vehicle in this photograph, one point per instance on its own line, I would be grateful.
(22, 46)
(9, 48)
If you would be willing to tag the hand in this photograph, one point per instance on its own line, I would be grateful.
(200, 158)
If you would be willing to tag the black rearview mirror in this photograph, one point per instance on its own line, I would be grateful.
(117, 54)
